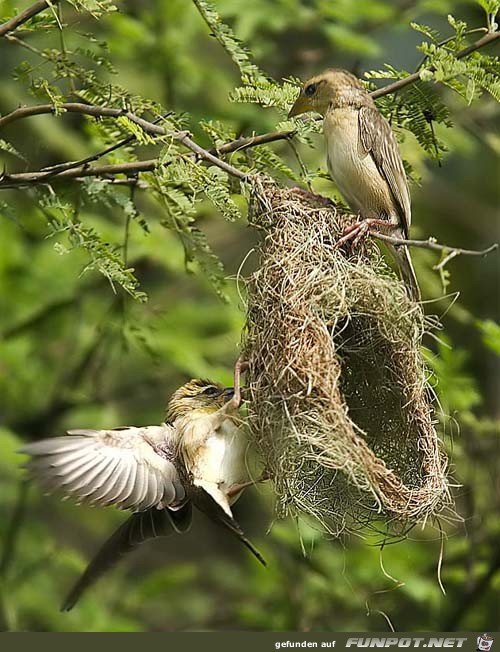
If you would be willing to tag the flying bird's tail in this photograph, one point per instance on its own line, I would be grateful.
(402, 255)
(140, 527)
(206, 504)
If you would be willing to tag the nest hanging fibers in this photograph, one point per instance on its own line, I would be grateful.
(339, 405)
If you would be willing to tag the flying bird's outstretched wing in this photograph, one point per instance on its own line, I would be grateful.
(137, 529)
(132, 468)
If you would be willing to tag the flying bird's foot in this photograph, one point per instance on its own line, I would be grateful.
(356, 232)
(235, 489)
(240, 367)
(313, 197)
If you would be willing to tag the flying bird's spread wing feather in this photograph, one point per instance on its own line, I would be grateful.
(377, 138)
(132, 468)
(137, 529)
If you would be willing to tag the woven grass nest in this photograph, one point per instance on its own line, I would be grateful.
(340, 408)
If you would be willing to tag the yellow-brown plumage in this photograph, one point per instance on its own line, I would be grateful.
(362, 155)
(197, 456)
(211, 444)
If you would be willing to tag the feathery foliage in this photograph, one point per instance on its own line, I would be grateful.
(119, 209)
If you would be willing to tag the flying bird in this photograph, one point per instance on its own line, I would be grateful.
(363, 160)
(196, 457)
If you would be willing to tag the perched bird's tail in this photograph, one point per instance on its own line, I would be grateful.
(402, 255)
(137, 529)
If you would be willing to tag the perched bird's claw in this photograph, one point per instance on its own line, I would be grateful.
(356, 232)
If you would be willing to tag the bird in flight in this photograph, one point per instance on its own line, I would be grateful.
(363, 160)
(196, 457)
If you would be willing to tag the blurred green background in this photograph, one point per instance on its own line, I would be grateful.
(75, 354)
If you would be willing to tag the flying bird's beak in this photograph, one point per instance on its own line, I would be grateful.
(302, 105)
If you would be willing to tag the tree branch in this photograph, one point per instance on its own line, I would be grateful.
(75, 170)
(272, 136)
(182, 137)
(411, 79)
(431, 243)
(25, 15)
(470, 596)
(10, 541)
(86, 109)
(13, 528)
(40, 176)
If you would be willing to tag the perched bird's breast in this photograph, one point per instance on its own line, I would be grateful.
(352, 168)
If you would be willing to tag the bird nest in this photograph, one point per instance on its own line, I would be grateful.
(340, 408)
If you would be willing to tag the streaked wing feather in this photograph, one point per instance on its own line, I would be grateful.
(378, 139)
(125, 498)
(103, 467)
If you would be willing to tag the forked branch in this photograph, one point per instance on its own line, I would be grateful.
(431, 243)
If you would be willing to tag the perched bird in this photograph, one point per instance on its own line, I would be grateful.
(363, 159)
(197, 456)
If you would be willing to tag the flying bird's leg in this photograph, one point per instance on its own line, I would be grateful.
(236, 488)
(240, 367)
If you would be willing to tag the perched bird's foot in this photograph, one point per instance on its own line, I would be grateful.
(240, 367)
(313, 197)
(359, 230)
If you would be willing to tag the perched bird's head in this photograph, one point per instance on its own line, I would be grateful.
(200, 395)
(331, 89)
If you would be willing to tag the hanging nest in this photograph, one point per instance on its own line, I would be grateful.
(340, 408)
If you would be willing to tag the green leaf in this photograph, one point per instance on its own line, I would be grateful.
(7, 147)
(490, 332)
(233, 46)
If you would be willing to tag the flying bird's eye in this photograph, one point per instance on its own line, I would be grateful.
(310, 90)
(210, 391)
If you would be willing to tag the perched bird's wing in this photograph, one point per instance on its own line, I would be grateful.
(377, 139)
(206, 504)
(132, 468)
(140, 527)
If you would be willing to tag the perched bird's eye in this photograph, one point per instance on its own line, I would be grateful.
(210, 391)
(310, 90)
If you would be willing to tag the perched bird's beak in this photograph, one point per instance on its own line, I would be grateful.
(302, 105)
(228, 393)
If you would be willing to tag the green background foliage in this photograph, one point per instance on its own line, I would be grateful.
(113, 294)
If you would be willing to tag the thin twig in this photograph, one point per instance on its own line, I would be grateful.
(431, 243)
(469, 597)
(9, 550)
(238, 144)
(62, 167)
(13, 529)
(38, 177)
(411, 79)
(71, 165)
(86, 109)
(182, 137)
(11, 38)
(272, 136)
(24, 16)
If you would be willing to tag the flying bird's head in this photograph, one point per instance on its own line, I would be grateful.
(200, 395)
(332, 89)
